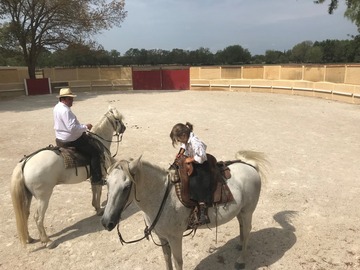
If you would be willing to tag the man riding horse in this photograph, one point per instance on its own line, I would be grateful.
(70, 133)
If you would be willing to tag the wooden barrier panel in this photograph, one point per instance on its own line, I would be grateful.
(146, 79)
(231, 72)
(178, 79)
(314, 73)
(38, 86)
(253, 72)
(161, 79)
(291, 73)
(335, 74)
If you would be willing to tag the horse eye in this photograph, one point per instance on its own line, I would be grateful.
(127, 187)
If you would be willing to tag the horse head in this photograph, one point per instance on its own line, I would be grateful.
(116, 120)
(120, 182)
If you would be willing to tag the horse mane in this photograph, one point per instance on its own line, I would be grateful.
(111, 110)
(143, 163)
(116, 164)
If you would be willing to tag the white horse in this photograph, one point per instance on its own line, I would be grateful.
(167, 216)
(38, 175)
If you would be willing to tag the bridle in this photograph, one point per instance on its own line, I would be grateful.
(147, 230)
(117, 122)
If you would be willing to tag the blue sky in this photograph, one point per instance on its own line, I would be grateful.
(256, 25)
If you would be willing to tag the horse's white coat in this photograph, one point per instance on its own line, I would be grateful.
(149, 185)
(43, 171)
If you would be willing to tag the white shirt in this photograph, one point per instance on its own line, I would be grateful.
(67, 127)
(195, 148)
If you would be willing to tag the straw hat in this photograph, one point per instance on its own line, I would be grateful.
(65, 92)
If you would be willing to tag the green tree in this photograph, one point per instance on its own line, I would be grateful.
(314, 55)
(9, 56)
(233, 55)
(202, 56)
(352, 12)
(335, 51)
(115, 57)
(273, 57)
(299, 52)
(178, 56)
(258, 59)
(35, 25)
(353, 50)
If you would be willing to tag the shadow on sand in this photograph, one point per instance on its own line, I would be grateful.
(32, 103)
(85, 226)
(265, 247)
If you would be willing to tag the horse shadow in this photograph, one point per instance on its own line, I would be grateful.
(85, 226)
(266, 247)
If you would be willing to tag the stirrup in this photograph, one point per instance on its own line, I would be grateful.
(203, 217)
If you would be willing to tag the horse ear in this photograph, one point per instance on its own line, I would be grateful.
(111, 108)
(134, 165)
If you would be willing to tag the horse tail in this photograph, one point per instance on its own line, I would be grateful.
(257, 159)
(21, 199)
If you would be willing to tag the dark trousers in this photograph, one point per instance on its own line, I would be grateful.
(200, 183)
(85, 147)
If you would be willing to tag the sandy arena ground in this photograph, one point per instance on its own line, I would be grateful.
(308, 215)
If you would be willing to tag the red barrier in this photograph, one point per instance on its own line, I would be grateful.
(37, 86)
(175, 79)
(161, 79)
(146, 80)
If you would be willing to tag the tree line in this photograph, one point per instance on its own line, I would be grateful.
(40, 33)
(79, 55)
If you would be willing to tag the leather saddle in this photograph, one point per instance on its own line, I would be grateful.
(221, 193)
(72, 158)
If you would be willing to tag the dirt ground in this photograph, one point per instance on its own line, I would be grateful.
(308, 215)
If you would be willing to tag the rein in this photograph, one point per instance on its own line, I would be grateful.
(119, 139)
(119, 135)
(148, 230)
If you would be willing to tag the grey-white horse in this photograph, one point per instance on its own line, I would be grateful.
(155, 195)
(38, 175)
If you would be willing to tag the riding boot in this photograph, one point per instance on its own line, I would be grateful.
(203, 219)
(96, 176)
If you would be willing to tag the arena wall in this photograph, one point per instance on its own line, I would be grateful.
(334, 82)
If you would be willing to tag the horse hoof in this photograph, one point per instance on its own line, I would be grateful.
(30, 240)
(239, 265)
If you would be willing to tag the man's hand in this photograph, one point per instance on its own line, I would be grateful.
(189, 160)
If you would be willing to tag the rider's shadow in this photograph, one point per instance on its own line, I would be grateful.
(85, 226)
(266, 247)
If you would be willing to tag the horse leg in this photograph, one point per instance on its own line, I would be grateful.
(27, 214)
(167, 253)
(176, 250)
(39, 219)
(96, 191)
(245, 220)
